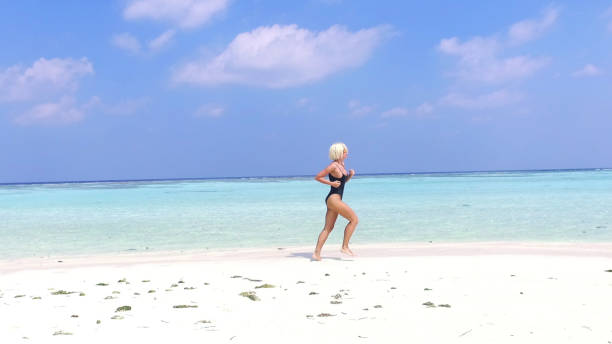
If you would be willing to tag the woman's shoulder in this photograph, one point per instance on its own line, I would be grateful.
(332, 166)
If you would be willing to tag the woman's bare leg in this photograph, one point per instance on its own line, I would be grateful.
(330, 220)
(348, 213)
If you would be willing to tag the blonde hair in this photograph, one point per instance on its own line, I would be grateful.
(336, 150)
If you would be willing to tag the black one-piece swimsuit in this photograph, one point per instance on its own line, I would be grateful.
(340, 189)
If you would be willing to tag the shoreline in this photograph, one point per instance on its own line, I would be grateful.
(493, 248)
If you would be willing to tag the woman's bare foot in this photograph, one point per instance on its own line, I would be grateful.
(347, 251)
(316, 256)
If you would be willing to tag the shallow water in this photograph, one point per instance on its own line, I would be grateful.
(108, 217)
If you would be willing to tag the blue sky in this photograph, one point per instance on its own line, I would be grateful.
(139, 89)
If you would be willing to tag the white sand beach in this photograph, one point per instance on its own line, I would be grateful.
(409, 293)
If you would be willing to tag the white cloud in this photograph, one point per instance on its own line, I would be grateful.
(65, 111)
(127, 42)
(420, 111)
(161, 40)
(530, 29)
(357, 109)
(132, 45)
(183, 13)
(480, 57)
(396, 112)
(518, 67)
(283, 56)
(588, 70)
(473, 51)
(478, 61)
(608, 15)
(424, 109)
(209, 110)
(44, 77)
(489, 100)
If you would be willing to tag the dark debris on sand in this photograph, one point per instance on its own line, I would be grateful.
(123, 309)
(62, 292)
(250, 295)
(62, 333)
(185, 306)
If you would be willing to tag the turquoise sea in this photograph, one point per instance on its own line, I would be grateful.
(143, 216)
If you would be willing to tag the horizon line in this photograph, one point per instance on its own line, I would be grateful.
(296, 176)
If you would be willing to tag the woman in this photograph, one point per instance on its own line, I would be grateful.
(338, 177)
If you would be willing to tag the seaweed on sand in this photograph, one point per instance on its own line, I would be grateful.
(62, 292)
(62, 333)
(185, 306)
(265, 286)
(123, 309)
(251, 295)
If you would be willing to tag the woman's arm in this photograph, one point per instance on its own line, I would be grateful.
(320, 177)
(351, 174)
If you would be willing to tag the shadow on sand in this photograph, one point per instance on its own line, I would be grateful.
(308, 255)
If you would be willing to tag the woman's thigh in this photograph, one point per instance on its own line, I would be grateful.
(342, 208)
(330, 218)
